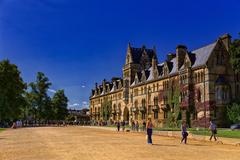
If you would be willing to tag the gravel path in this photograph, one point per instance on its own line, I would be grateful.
(80, 143)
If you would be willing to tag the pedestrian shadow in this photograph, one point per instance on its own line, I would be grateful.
(196, 144)
(164, 145)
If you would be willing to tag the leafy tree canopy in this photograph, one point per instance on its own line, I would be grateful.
(12, 89)
(233, 112)
(235, 54)
(60, 103)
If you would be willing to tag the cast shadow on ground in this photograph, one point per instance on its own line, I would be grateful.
(196, 144)
(164, 145)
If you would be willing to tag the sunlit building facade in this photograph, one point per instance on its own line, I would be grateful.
(196, 84)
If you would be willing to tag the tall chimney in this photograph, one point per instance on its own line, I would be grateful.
(226, 39)
(181, 51)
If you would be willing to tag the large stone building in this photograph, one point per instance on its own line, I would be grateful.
(197, 84)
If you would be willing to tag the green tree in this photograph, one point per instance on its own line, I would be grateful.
(39, 100)
(235, 59)
(235, 54)
(233, 112)
(106, 109)
(12, 89)
(59, 103)
(174, 111)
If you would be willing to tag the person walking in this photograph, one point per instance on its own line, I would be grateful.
(118, 126)
(144, 126)
(123, 126)
(149, 131)
(133, 126)
(137, 126)
(184, 133)
(213, 129)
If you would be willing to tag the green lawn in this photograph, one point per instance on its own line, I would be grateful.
(220, 133)
(2, 129)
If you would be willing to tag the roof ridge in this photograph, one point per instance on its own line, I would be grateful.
(203, 46)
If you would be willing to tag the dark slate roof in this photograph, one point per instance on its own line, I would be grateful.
(147, 73)
(170, 64)
(192, 57)
(137, 54)
(160, 69)
(139, 74)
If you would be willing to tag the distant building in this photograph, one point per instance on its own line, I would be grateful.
(80, 115)
(202, 80)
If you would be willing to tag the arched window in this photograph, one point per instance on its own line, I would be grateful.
(136, 104)
(143, 102)
(114, 107)
(155, 101)
(218, 93)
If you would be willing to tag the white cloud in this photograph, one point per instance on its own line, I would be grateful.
(83, 86)
(73, 105)
(52, 90)
(84, 103)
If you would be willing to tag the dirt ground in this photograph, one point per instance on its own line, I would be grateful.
(81, 143)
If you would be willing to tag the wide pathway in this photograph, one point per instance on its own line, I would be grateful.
(81, 143)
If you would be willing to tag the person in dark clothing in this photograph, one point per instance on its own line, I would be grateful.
(213, 129)
(149, 131)
(184, 133)
(137, 126)
(144, 126)
(118, 126)
(123, 126)
(133, 125)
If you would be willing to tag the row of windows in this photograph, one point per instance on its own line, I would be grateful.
(165, 85)
(183, 95)
(113, 97)
(143, 90)
(155, 100)
(183, 79)
(198, 77)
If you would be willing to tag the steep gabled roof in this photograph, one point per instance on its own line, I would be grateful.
(202, 54)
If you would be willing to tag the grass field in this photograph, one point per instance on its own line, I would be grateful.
(220, 133)
(202, 131)
(2, 129)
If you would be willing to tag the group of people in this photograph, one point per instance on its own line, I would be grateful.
(17, 124)
(148, 127)
(212, 128)
(119, 124)
(135, 126)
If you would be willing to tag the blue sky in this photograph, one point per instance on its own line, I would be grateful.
(77, 43)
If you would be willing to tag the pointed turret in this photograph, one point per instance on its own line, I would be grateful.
(129, 54)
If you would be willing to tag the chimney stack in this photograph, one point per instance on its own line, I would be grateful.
(226, 39)
(181, 51)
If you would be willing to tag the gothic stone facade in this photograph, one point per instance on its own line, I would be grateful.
(201, 81)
